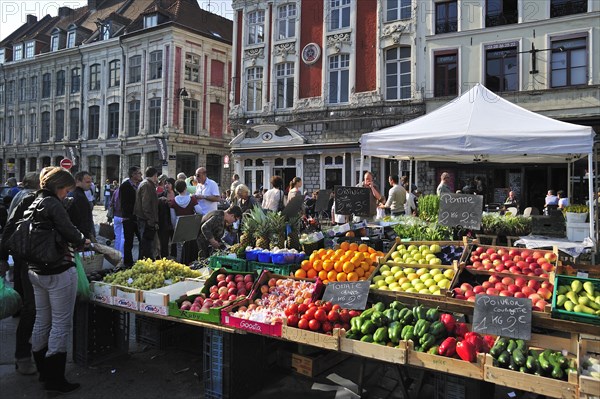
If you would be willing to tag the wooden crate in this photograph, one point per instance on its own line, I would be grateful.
(320, 340)
(588, 344)
(463, 243)
(374, 351)
(530, 382)
(445, 364)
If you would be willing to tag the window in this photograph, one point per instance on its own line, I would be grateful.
(446, 17)
(60, 83)
(501, 12)
(133, 116)
(339, 78)
(254, 81)
(29, 49)
(190, 117)
(23, 89)
(397, 73)
(33, 83)
(46, 85)
(569, 62)
(156, 65)
(192, 67)
(113, 120)
(135, 69)
(398, 9)
(10, 132)
(73, 124)
(286, 21)
(106, 31)
(217, 73)
(2, 57)
(501, 67)
(560, 8)
(256, 27)
(10, 92)
(285, 85)
(32, 128)
(95, 77)
(70, 39)
(45, 127)
(59, 125)
(18, 52)
(54, 42)
(75, 80)
(21, 129)
(1, 93)
(216, 120)
(154, 114)
(339, 14)
(446, 74)
(93, 122)
(114, 73)
(150, 21)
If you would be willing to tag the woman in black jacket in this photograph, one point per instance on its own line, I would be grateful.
(54, 285)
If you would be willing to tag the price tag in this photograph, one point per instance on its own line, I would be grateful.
(352, 200)
(349, 295)
(461, 210)
(502, 315)
(582, 274)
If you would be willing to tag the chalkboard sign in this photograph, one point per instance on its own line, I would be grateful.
(349, 295)
(352, 200)
(461, 210)
(322, 201)
(503, 315)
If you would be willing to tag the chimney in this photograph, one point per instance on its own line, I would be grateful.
(64, 11)
(31, 19)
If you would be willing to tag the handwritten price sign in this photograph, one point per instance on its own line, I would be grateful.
(504, 316)
(461, 210)
(349, 295)
(352, 200)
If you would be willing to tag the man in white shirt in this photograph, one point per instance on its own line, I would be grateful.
(396, 197)
(207, 192)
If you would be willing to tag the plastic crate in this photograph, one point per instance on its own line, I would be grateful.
(99, 333)
(235, 264)
(213, 363)
(284, 270)
(152, 331)
(573, 316)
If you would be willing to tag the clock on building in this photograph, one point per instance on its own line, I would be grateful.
(311, 53)
(267, 136)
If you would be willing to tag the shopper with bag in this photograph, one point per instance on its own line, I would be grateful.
(54, 283)
(146, 213)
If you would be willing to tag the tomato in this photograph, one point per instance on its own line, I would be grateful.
(312, 305)
(333, 316)
(354, 313)
(293, 320)
(292, 309)
(310, 313)
(346, 326)
(321, 315)
(318, 303)
(327, 306)
(303, 324)
(338, 325)
(326, 327)
(344, 316)
(314, 325)
(302, 308)
(336, 307)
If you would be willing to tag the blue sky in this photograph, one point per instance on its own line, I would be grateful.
(13, 13)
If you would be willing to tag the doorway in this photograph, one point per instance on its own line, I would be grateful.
(536, 187)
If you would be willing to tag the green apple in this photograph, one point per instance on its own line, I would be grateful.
(430, 256)
(435, 248)
(373, 286)
(409, 270)
(437, 292)
(413, 262)
(401, 247)
(381, 283)
(389, 280)
(434, 272)
(425, 276)
(395, 269)
(423, 262)
(434, 288)
(405, 256)
(411, 289)
(378, 278)
(449, 273)
(399, 274)
(393, 285)
(406, 286)
(426, 252)
(412, 276)
(435, 261)
(419, 286)
(396, 254)
(384, 288)
(424, 291)
(429, 282)
(385, 273)
(423, 247)
(384, 268)
(438, 277)
(417, 256)
(403, 280)
(411, 248)
(396, 289)
(414, 252)
(422, 271)
(444, 284)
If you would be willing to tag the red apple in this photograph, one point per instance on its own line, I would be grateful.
(222, 290)
(478, 289)
(494, 278)
(517, 258)
(509, 263)
(544, 275)
(541, 261)
(497, 262)
(469, 293)
(547, 267)
(462, 297)
(506, 258)
(248, 285)
(545, 293)
(520, 295)
(534, 297)
(538, 272)
(484, 256)
(213, 288)
(458, 291)
(232, 297)
(541, 304)
(515, 270)
(500, 268)
(550, 256)
(479, 250)
(230, 277)
(221, 277)
(506, 293)
(508, 280)
(248, 278)
(525, 253)
(527, 290)
(529, 259)
(520, 281)
(495, 256)
(239, 277)
(214, 295)
(471, 298)
(492, 291)
(474, 258)
(522, 264)
(477, 264)
(499, 286)
(514, 252)
(222, 283)
(242, 291)
(231, 284)
(547, 284)
(502, 251)
(514, 288)
(466, 287)
(486, 285)
(526, 271)
(537, 254)
(232, 291)
(490, 251)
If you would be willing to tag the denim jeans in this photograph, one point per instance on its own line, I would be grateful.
(27, 315)
(54, 304)
(119, 234)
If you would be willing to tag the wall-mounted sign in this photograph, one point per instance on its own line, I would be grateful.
(311, 53)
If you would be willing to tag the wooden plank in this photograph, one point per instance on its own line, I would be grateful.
(588, 344)
(446, 364)
(531, 383)
(320, 340)
(374, 351)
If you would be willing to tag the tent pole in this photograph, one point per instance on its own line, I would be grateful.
(592, 200)
(569, 182)
(416, 171)
(362, 166)
(410, 175)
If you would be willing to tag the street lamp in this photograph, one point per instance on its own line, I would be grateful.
(183, 93)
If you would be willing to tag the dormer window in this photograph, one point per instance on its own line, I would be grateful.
(150, 21)
(54, 43)
(2, 59)
(71, 39)
(18, 52)
(29, 49)
(106, 31)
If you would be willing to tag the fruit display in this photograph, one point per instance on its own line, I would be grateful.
(273, 297)
(578, 296)
(319, 316)
(515, 355)
(424, 280)
(539, 291)
(512, 260)
(430, 330)
(349, 262)
(434, 254)
(228, 288)
(147, 274)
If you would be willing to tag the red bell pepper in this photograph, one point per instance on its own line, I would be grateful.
(460, 329)
(489, 340)
(477, 340)
(449, 321)
(466, 351)
(448, 347)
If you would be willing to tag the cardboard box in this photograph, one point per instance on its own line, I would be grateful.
(102, 292)
(315, 364)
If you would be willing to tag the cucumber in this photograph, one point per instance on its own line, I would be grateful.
(504, 359)
(518, 357)
(544, 362)
(512, 345)
(557, 373)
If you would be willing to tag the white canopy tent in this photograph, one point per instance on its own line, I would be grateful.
(482, 126)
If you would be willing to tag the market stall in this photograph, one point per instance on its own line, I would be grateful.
(481, 126)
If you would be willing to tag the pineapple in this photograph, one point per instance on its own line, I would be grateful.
(261, 233)
(293, 239)
(277, 229)
(248, 228)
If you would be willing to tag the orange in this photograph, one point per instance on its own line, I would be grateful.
(373, 257)
(339, 252)
(338, 266)
(328, 265)
(372, 269)
(348, 267)
(380, 254)
(360, 271)
(321, 251)
(325, 281)
(365, 266)
(332, 275)
(362, 279)
(344, 245)
(300, 273)
(353, 246)
(352, 276)
(359, 255)
(305, 265)
(363, 247)
(314, 256)
(371, 250)
(312, 273)
(341, 276)
(318, 265)
(323, 275)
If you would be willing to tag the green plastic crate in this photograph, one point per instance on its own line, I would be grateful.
(235, 264)
(573, 316)
(284, 269)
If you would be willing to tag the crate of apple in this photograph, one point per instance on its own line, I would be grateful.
(512, 260)
(319, 316)
(540, 292)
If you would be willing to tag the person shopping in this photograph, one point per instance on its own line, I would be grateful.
(54, 285)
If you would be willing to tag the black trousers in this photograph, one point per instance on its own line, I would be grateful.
(27, 315)
(129, 230)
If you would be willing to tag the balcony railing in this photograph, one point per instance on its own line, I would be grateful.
(504, 18)
(562, 8)
(446, 26)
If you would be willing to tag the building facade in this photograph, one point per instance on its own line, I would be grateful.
(114, 84)
(311, 76)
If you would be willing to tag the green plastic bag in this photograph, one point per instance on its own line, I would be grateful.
(83, 284)
(10, 300)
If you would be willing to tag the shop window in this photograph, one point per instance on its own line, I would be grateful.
(446, 74)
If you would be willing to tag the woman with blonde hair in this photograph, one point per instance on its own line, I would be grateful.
(243, 199)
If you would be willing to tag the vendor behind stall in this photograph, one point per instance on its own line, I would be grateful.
(213, 227)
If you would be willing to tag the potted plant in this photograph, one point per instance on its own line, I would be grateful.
(576, 213)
